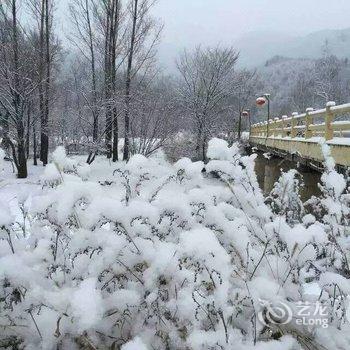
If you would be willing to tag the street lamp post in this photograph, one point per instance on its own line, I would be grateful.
(239, 125)
(249, 121)
(267, 96)
(260, 102)
(244, 113)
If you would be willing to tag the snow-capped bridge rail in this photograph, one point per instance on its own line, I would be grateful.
(298, 137)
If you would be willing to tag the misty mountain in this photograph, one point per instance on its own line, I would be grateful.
(258, 47)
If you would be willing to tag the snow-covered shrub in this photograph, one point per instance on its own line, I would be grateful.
(161, 256)
(332, 210)
(284, 198)
(62, 164)
(6, 227)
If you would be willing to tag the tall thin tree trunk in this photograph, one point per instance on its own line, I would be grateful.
(115, 136)
(110, 78)
(93, 74)
(126, 154)
(113, 67)
(21, 159)
(21, 150)
(35, 151)
(45, 145)
(199, 139)
(28, 130)
(108, 137)
(41, 79)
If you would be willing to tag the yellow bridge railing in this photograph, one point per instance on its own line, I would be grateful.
(310, 124)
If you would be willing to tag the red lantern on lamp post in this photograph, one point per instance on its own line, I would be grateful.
(260, 101)
(244, 113)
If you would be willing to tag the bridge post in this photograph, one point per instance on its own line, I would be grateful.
(284, 124)
(293, 132)
(308, 122)
(276, 122)
(329, 133)
(273, 127)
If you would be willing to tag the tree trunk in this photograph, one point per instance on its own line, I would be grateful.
(109, 132)
(199, 141)
(93, 75)
(113, 67)
(35, 152)
(41, 79)
(110, 79)
(115, 136)
(240, 125)
(107, 68)
(126, 154)
(28, 131)
(45, 145)
(21, 161)
(91, 157)
(204, 149)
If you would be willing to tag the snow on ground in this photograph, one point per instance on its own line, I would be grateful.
(147, 255)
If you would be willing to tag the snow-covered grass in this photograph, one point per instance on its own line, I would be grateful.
(152, 255)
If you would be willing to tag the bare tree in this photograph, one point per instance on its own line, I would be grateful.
(16, 85)
(126, 38)
(154, 116)
(81, 16)
(86, 37)
(246, 84)
(112, 28)
(42, 12)
(327, 78)
(128, 79)
(205, 88)
(302, 93)
(143, 37)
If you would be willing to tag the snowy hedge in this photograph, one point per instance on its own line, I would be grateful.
(159, 256)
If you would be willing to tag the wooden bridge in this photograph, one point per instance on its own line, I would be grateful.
(299, 137)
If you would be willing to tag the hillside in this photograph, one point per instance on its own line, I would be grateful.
(258, 47)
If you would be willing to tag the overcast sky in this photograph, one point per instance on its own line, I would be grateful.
(213, 20)
(190, 22)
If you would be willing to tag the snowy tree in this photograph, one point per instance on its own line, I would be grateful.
(206, 84)
(143, 36)
(16, 87)
(82, 13)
